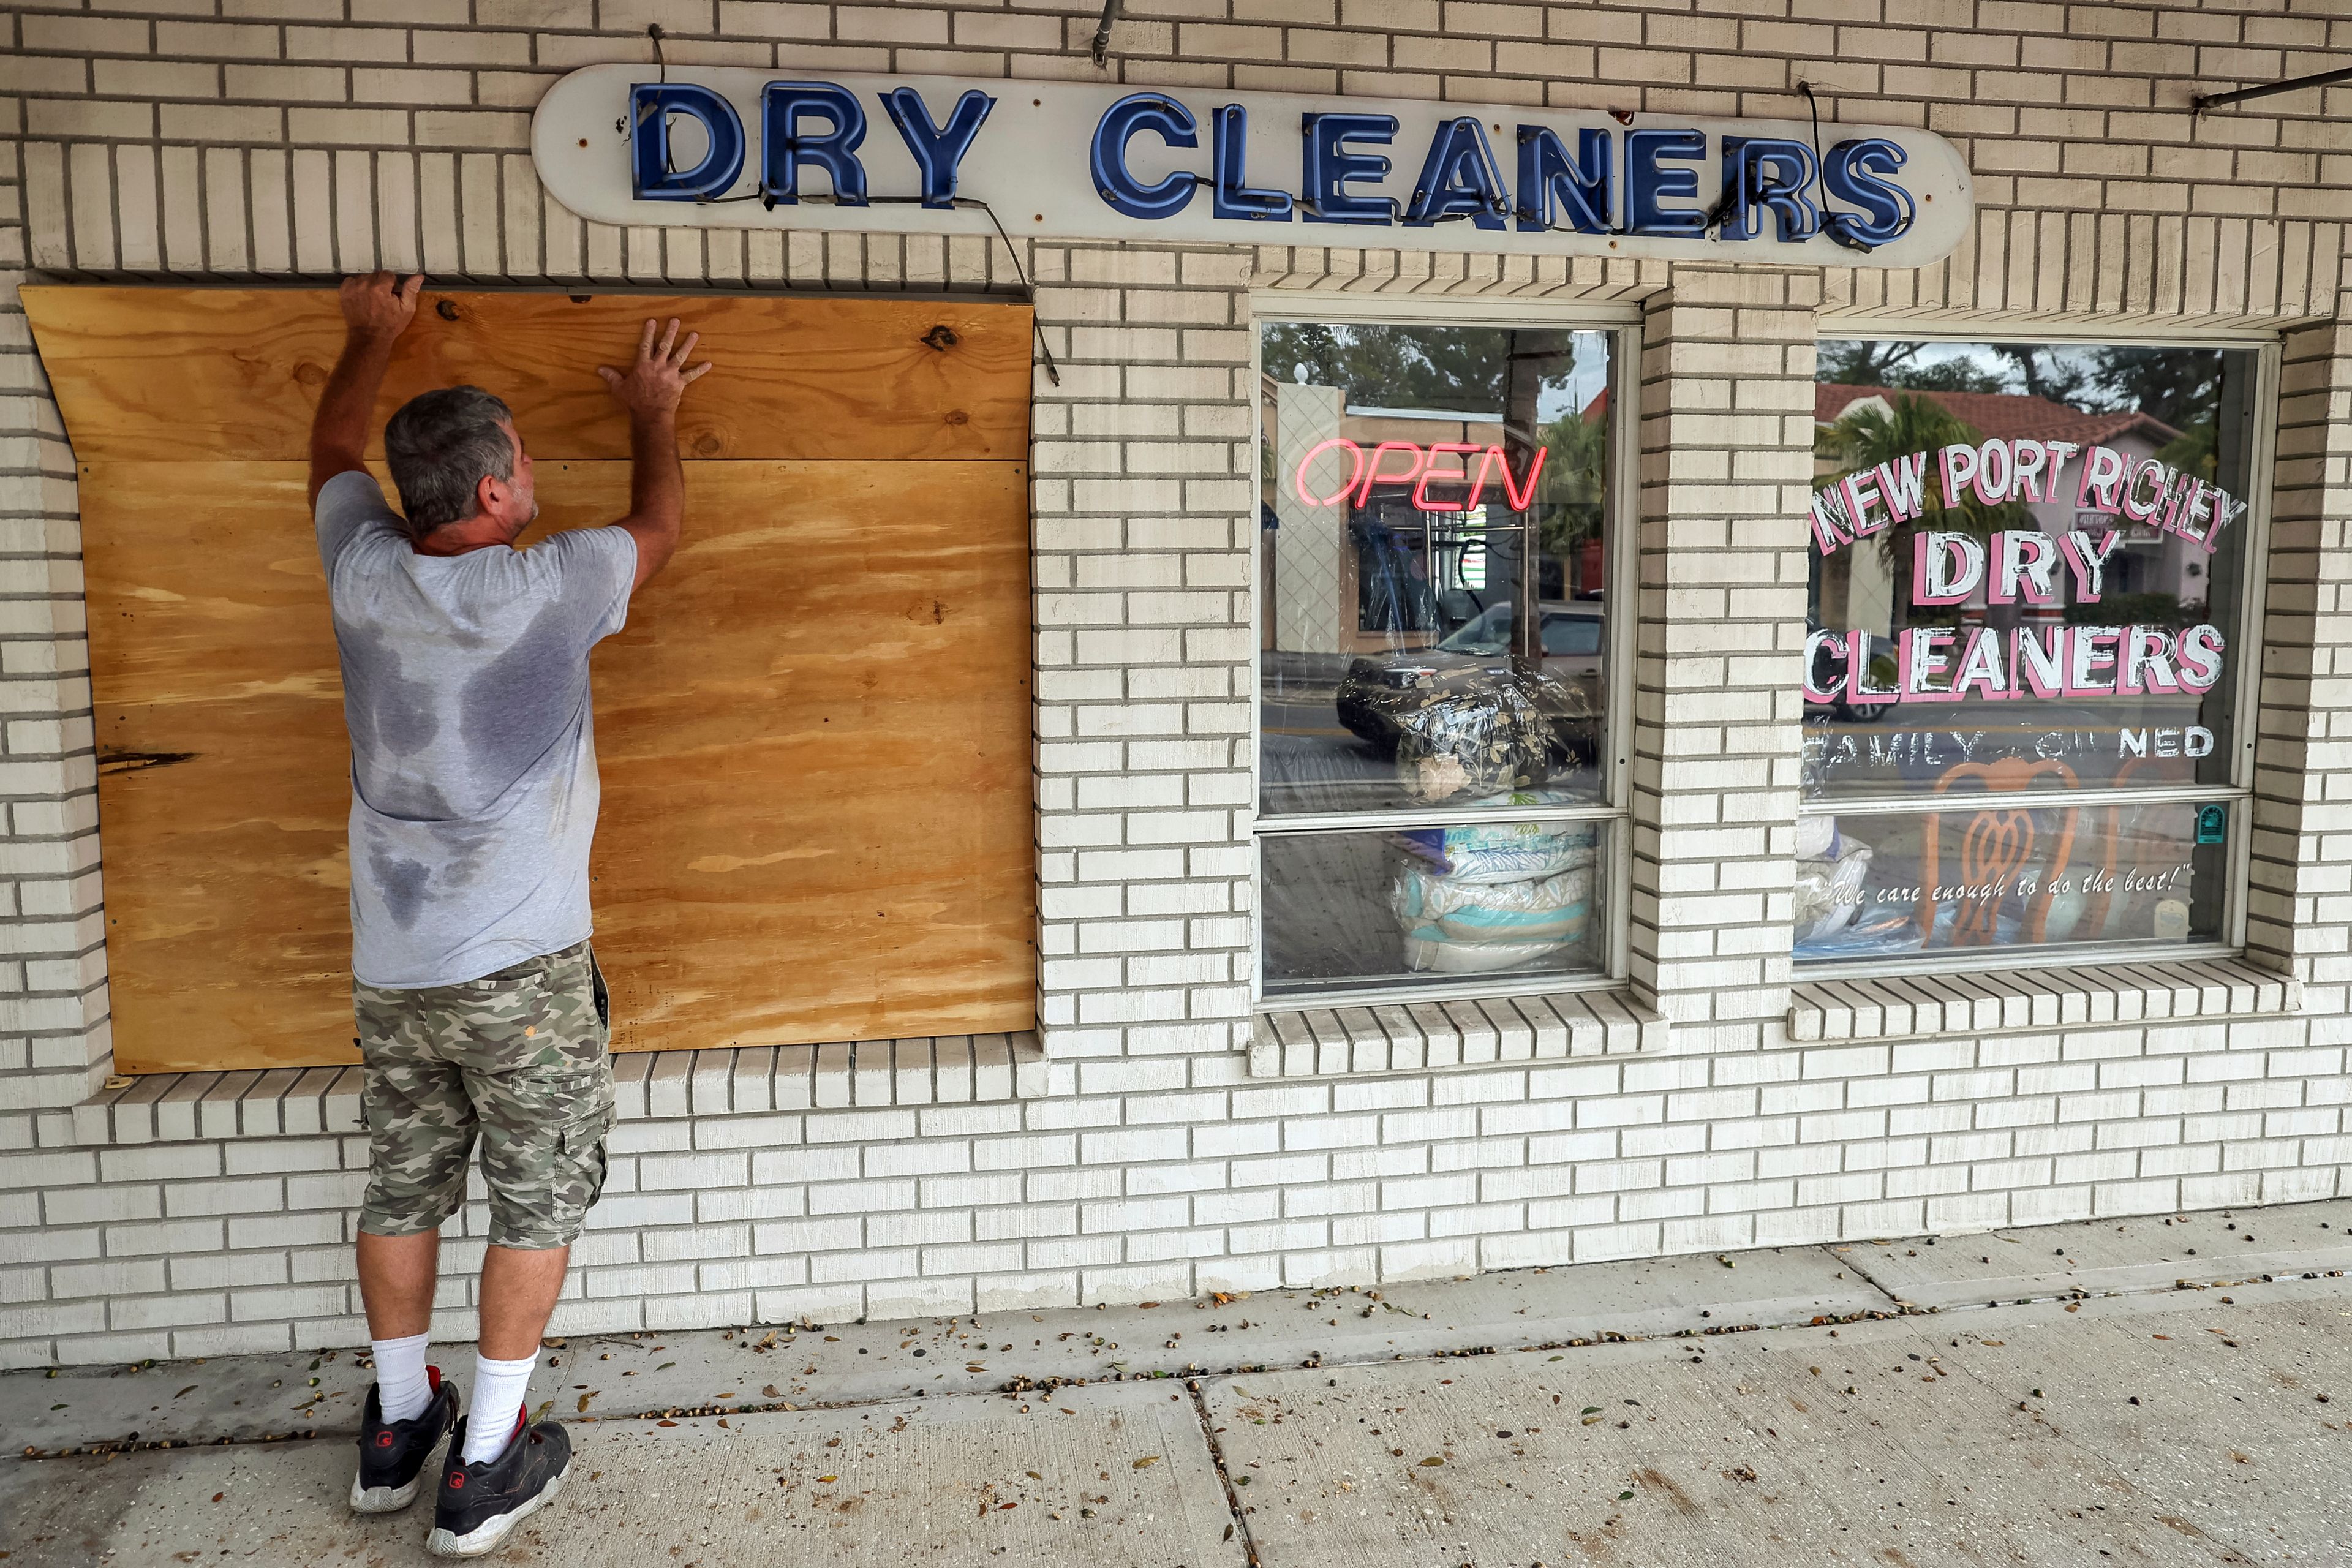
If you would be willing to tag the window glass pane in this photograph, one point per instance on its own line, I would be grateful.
(2027, 558)
(1432, 561)
(1347, 911)
(1999, 876)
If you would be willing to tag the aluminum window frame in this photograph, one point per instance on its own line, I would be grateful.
(2246, 695)
(1620, 525)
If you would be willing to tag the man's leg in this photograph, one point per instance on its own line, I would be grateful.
(397, 1274)
(542, 1082)
(396, 1278)
(421, 1134)
(518, 1292)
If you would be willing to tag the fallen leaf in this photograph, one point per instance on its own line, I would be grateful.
(1433, 1460)
(583, 1404)
(828, 1478)
(666, 1366)
(1145, 1463)
(190, 1389)
(771, 1391)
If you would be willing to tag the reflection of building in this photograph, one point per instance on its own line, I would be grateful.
(2147, 562)
(1350, 579)
(1400, 565)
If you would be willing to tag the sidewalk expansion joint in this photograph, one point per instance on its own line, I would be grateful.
(1239, 1524)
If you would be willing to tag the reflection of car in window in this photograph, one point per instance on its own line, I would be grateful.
(1368, 695)
(1569, 632)
(1884, 668)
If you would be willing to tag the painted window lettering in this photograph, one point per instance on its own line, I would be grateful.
(2029, 586)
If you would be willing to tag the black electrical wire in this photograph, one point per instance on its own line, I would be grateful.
(1102, 34)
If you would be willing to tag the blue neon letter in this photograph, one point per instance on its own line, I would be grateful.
(1234, 197)
(1459, 178)
(1583, 191)
(1767, 172)
(650, 107)
(1330, 165)
(1854, 174)
(783, 149)
(1172, 122)
(1646, 184)
(938, 151)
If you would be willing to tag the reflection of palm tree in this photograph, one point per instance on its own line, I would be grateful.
(2196, 450)
(1868, 437)
(1575, 477)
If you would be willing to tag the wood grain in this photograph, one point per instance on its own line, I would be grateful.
(198, 374)
(814, 735)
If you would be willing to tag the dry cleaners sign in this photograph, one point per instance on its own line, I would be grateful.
(735, 148)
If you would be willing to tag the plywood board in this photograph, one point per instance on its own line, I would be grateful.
(814, 735)
(199, 374)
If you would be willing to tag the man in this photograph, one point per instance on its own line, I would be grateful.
(474, 795)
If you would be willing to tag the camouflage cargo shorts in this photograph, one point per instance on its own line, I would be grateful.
(518, 1058)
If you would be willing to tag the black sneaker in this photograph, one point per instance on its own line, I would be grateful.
(394, 1454)
(480, 1505)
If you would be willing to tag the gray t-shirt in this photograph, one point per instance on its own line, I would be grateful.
(473, 755)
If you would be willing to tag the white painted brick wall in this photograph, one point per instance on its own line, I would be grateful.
(306, 137)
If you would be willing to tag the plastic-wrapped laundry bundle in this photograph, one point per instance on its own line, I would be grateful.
(1478, 733)
(1830, 870)
(1504, 851)
(1817, 838)
(1456, 925)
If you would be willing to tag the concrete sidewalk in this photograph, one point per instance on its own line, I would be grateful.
(2153, 1390)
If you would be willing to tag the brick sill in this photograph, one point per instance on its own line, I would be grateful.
(309, 1102)
(1897, 1008)
(1422, 1036)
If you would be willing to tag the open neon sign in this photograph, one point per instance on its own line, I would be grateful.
(1422, 466)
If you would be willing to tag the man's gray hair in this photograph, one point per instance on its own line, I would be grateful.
(441, 446)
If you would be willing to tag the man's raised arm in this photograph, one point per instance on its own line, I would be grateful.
(650, 391)
(376, 309)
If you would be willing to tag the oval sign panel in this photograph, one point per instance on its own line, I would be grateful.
(727, 147)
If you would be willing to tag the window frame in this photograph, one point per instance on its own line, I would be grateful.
(1621, 614)
(2245, 693)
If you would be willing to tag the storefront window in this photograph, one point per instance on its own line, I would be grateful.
(1434, 780)
(2026, 643)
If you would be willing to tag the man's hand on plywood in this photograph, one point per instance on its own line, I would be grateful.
(380, 306)
(655, 384)
(650, 389)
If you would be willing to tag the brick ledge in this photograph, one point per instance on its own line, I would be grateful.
(296, 1103)
(1894, 1007)
(1419, 1036)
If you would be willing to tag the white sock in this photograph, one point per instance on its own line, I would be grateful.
(499, 1387)
(399, 1382)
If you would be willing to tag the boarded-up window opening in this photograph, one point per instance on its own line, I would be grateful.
(814, 734)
